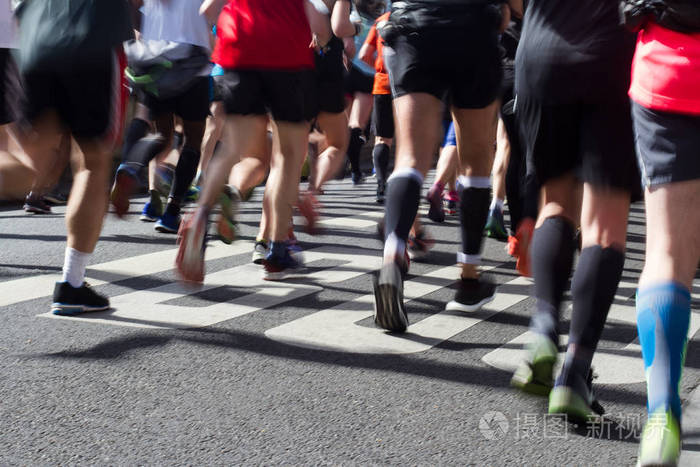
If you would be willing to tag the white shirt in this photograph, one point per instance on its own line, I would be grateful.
(7, 26)
(175, 20)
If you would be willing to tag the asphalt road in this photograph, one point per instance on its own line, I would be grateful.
(243, 372)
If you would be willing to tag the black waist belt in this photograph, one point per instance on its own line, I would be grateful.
(677, 15)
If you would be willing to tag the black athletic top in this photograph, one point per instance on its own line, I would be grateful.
(64, 34)
(573, 48)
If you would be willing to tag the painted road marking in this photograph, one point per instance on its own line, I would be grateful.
(336, 329)
(148, 308)
(30, 288)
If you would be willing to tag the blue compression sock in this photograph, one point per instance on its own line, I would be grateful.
(663, 318)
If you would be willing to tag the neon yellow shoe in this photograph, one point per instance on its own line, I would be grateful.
(660, 444)
(535, 375)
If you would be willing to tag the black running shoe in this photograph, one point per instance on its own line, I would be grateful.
(472, 294)
(389, 310)
(381, 189)
(69, 300)
(36, 205)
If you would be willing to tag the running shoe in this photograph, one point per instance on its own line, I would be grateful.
(524, 239)
(153, 209)
(471, 295)
(192, 194)
(357, 178)
(69, 300)
(419, 246)
(389, 309)
(451, 203)
(660, 444)
(259, 251)
(435, 212)
(192, 242)
(535, 374)
(125, 182)
(56, 198)
(381, 189)
(308, 206)
(36, 205)
(495, 227)
(277, 268)
(226, 226)
(169, 222)
(576, 401)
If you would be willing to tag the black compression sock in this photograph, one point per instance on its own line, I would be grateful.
(552, 258)
(138, 128)
(473, 212)
(185, 171)
(354, 148)
(144, 150)
(380, 157)
(402, 198)
(593, 289)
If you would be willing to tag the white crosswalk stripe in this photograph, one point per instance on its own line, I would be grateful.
(331, 329)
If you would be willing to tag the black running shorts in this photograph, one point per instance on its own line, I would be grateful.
(88, 101)
(383, 116)
(357, 80)
(668, 145)
(10, 88)
(593, 140)
(461, 62)
(330, 72)
(290, 96)
(192, 105)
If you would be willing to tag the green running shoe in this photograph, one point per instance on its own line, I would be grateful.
(535, 375)
(495, 227)
(226, 225)
(578, 404)
(660, 444)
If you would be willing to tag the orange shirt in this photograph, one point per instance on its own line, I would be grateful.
(381, 77)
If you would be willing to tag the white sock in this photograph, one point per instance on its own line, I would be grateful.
(394, 248)
(74, 266)
(496, 203)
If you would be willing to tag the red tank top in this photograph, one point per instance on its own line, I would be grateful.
(666, 70)
(263, 34)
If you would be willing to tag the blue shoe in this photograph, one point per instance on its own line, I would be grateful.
(277, 268)
(153, 209)
(168, 223)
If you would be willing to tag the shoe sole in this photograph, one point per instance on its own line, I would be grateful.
(456, 306)
(62, 309)
(281, 275)
(258, 259)
(146, 218)
(564, 401)
(165, 229)
(34, 210)
(389, 311)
